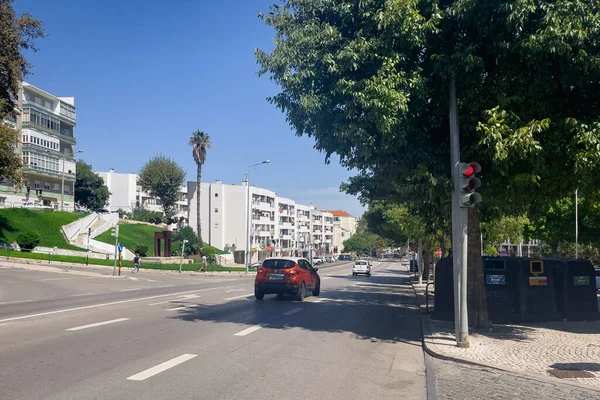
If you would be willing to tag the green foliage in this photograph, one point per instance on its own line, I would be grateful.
(490, 250)
(210, 254)
(27, 241)
(90, 190)
(193, 244)
(497, 231)
(10, 162)
(14, 221)
(133, 235)
(361, 243)
(16, 35)
(163, 177)
(154, 217)
(566, 249)
(141, 249)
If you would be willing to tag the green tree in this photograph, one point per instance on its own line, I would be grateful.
(162, 177)
(369, 81)
(16, 35)
(200, 142)
(361, 243)
(193, 243)
(90, 190)
(508, 227)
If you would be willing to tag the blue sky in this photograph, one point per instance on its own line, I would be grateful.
(146, 74)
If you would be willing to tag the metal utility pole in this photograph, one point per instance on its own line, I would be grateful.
(182, 251)
(249, 216)
(310, 232)
(459, 230)
(116, 235)
(420, 262)
(576, 224)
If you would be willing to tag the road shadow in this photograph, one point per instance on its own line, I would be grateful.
(378, 314)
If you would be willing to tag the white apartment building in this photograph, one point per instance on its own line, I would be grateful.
(344, 226)
(127, 195)
(47, 146)
(279, 226)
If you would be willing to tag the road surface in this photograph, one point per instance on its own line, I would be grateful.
(158, 336)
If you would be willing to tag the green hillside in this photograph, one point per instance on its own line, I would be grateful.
(14, 221)
(132, 235)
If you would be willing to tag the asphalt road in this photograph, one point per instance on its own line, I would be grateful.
(164, 336)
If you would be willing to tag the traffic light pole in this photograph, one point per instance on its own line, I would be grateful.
(459, 230)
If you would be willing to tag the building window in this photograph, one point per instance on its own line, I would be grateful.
(216, 224)
(46, 186)
(67, 110)
(57, 187)
(216, 194)
(216, 210)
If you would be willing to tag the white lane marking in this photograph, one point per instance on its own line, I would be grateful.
(182, 307)
(319, 301)
(294, 311)
(130, 290)
(248, 331)
(190, 296)
(7, 323)
(82, 294)
(133, 279)
(235, 290)
(150, 372)
(239, 297)
(66, 279)
(16, 301)
(112, 321)
(151, 280)
(112, 303)
(326, 277)
(158, 287)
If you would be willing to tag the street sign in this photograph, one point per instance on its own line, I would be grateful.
(120, 247)
(438, 253)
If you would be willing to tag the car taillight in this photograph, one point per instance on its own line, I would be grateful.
(294, 272)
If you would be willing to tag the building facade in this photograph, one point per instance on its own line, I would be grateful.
(279, 226)
(344, 226)
(47, 147)
(127, 195)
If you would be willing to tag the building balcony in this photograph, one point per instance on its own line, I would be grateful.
(286, 237)
(44, 172)
(47, 131)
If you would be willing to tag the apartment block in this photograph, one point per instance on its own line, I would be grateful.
(127, 195)
(279, 226)
(344, 226)
(47, 147)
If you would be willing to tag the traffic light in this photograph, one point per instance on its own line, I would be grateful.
(468, 183)
(114, 232)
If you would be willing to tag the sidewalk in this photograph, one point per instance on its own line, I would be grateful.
(82, 269)
(569, 348)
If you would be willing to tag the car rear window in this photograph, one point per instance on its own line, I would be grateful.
(278, 264)
(361, 263)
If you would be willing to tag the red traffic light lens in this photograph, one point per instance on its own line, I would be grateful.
(469, 171)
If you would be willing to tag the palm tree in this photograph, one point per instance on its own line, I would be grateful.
(200, 141)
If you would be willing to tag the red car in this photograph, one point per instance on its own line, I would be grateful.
(287, 275)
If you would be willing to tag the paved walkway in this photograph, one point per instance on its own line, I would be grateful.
(523, 352)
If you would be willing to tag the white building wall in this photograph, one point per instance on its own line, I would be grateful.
(122, 188)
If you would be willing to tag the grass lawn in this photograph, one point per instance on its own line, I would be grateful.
(132, 235)
(126, 264)
(14, 221)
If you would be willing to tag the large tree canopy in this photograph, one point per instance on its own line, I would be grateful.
(90, 190)
(163, 178)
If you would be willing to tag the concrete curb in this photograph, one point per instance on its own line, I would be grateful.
(433, 350)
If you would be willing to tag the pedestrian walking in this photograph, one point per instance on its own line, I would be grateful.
(204, 263)
(136, 264)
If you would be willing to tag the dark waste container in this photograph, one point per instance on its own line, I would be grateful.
(444, 290)
(537, 280)
(502, 288)
(576, 290)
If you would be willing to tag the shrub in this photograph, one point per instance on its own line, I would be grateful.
(154, 217)
(210, 253)
(28, 240)
(490, 250)
(187, 233)
(141, 249)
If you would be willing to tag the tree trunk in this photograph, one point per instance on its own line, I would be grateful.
(476, 300)
(443, 246)
(426, 269)
(198, 192)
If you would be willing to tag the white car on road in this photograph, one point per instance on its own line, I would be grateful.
(361, 267)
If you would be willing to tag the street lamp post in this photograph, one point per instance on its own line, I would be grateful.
(249, 215)
(183, 242)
